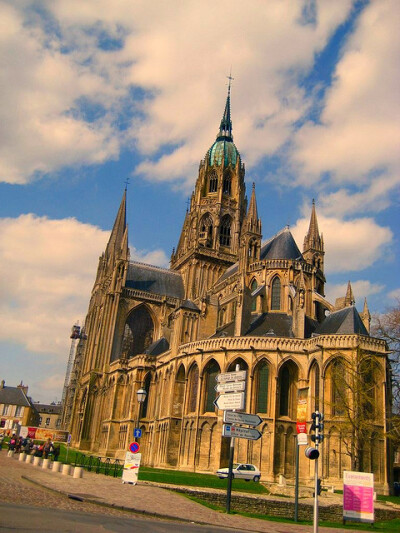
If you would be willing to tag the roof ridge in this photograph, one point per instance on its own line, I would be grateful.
(153, 267)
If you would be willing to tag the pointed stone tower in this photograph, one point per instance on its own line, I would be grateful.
(366, 316)
(110, 280)
(313, 253)
(209, 242)
(250, 244)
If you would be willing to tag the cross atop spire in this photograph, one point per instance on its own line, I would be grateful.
(225, 128)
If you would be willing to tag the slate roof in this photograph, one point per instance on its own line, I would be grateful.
(48, 408)
(346, 321)
(281, 246)
(263, 325)
(188, 304)
(13, 396)
(158, 347)
(154, 280)
(271, 324)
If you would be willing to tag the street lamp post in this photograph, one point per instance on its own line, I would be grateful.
(141, 397)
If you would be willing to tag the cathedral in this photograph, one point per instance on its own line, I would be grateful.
(229, 300)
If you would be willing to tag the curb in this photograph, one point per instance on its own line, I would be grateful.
(129, 509)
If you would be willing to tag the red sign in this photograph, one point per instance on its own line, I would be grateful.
(134, 447)
(301, 427)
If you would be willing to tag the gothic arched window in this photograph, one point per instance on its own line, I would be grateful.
(193, 389)
(338, 387)
(206, 230)
(276, 294)
(287, 389)
(227, 183)
(143, 410)
(315, 390)
(138, 332)
(210, 373)
(262, 376)
(225, 231)
(212, 182)
(253, 287)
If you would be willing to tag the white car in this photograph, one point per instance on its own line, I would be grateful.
(241, 471)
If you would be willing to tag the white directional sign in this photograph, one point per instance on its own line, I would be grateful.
(240, 433)
(230, 386)
(231, 417)
(239, 375)
(230, 401)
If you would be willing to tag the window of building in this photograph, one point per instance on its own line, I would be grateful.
(227, 184)
(287, 381)
(40, 420)
(47, 421)
(262, 387)
(6, 409)
(58, 423)
(19, 410)
(210, 373)
(138, 333)
(276, 294)
(225, 231)
(339, 386)
(193, 384)
(213, 182)
(253, 287)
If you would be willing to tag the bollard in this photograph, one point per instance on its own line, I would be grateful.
(22, 456)
(46, 463)
(56, 466)
(29, 459)
(78, 472)
(36, 461)
(65, 470)
(10, 453)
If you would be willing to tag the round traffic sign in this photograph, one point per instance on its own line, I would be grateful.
(134, 447)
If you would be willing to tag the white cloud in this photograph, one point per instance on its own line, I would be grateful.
(350, 245)
(47, 270)
(179, 52)
(361, 289)
(357, 139)
(394, 294)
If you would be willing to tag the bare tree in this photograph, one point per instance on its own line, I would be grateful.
(387, 327)
(356, 406)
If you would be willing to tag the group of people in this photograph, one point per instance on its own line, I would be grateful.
(45, 449)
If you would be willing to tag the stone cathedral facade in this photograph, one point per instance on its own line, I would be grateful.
(228, 298)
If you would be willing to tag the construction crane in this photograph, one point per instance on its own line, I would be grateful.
(75, 336)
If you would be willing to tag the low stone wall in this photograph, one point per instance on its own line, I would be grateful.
(271, 507)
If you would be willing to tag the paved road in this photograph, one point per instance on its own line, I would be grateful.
(26, 485)
(31, 519)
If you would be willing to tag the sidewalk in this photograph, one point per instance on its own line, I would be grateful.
(142, 498)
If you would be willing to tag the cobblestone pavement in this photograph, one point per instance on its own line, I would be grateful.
(26, 484)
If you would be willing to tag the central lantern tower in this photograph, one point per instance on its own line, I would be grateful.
(210, 238)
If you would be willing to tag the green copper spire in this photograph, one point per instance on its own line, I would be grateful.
(225, 128)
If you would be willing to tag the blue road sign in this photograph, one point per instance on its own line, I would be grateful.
(137, 433)
(134, 447)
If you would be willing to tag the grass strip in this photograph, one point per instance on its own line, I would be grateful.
(390, 526)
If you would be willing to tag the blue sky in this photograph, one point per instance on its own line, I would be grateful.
(95, 93)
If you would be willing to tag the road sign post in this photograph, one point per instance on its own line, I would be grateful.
(240, 432)
(234, 400)
(248, 419)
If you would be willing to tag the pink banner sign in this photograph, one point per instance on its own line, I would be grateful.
(358, 496)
